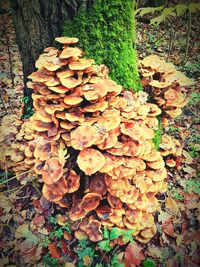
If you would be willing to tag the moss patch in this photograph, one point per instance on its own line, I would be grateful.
(158, 134)
(106, 32)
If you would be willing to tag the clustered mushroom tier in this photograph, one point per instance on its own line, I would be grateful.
(90, 142)
(166, 84)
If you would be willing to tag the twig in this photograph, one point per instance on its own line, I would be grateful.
(187, 37)
(12, 178)
(172, 34)
(8, 47)
(4, 107)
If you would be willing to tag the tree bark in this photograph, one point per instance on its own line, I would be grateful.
(105, 29)
(37, 23)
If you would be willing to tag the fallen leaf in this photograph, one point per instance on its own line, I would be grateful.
(179, 240)
(54, 251)
(133, 256)
(168, 228)
(188, 158)
(69, 264)
(172, 206)
(164, 216)
(154, 252)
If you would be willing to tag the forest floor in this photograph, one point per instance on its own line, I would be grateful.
(26, 219)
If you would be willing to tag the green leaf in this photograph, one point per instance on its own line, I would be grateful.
(149, 263)
(146, 10)
(115, 233)
(104, 245)
(166, 12)
(194, 7)
(53, 220)
(105, 233)
(180, 9)
(127, 235)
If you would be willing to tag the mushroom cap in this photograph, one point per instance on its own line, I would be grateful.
(49, 194)
(59, 89)
(94, 230)
(157, 175)
(42, 152)
(94, 91)
(67, 40)
(158, 84)
(83, 136)
(103, 211)
(81, 64)
(73, 181)
(52, 170)
(58, 188)
(70, 82)
(114, 202)
(98, 185)
(90, 161)
(72, 100)
(152, 61)
(158, 164)
(71, 52)
(90, 201)
(66, 73)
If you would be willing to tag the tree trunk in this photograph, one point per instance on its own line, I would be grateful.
(105, 29)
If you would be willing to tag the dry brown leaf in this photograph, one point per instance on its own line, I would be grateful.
(172, 206)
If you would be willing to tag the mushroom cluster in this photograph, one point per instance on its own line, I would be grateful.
(90, 143)
(166, 84)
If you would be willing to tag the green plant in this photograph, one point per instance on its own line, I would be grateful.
(173, 130)
(174, 192)
(28, 109)
(45, 241)
(51, 262)
(175, 11)
(149, 263)
(158, 134)
(194, 99)
(192, 185)
(193, 151)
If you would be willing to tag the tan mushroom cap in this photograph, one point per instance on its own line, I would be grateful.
(174, 112)
(90, 161)
(49, 195)
(66, 73)
(158, 84)
(67, 40)
(83, 136)
(42, 152)
(90, 201)
(50, 63)
(72, 100)
(158, 164)
(70, 82)
(71, 52)
(114, 202)
(170, 162)
(73, 182)
(43, 116)
(59, 89)
(179, 77)
(94, 230)
(152, 61)
(81, 64)
(99, 106)
(94, 91)
(108, 122)
(52, 170)
(98, 185)
(58, 188)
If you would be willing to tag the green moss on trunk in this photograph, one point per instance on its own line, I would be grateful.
(106, 32)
